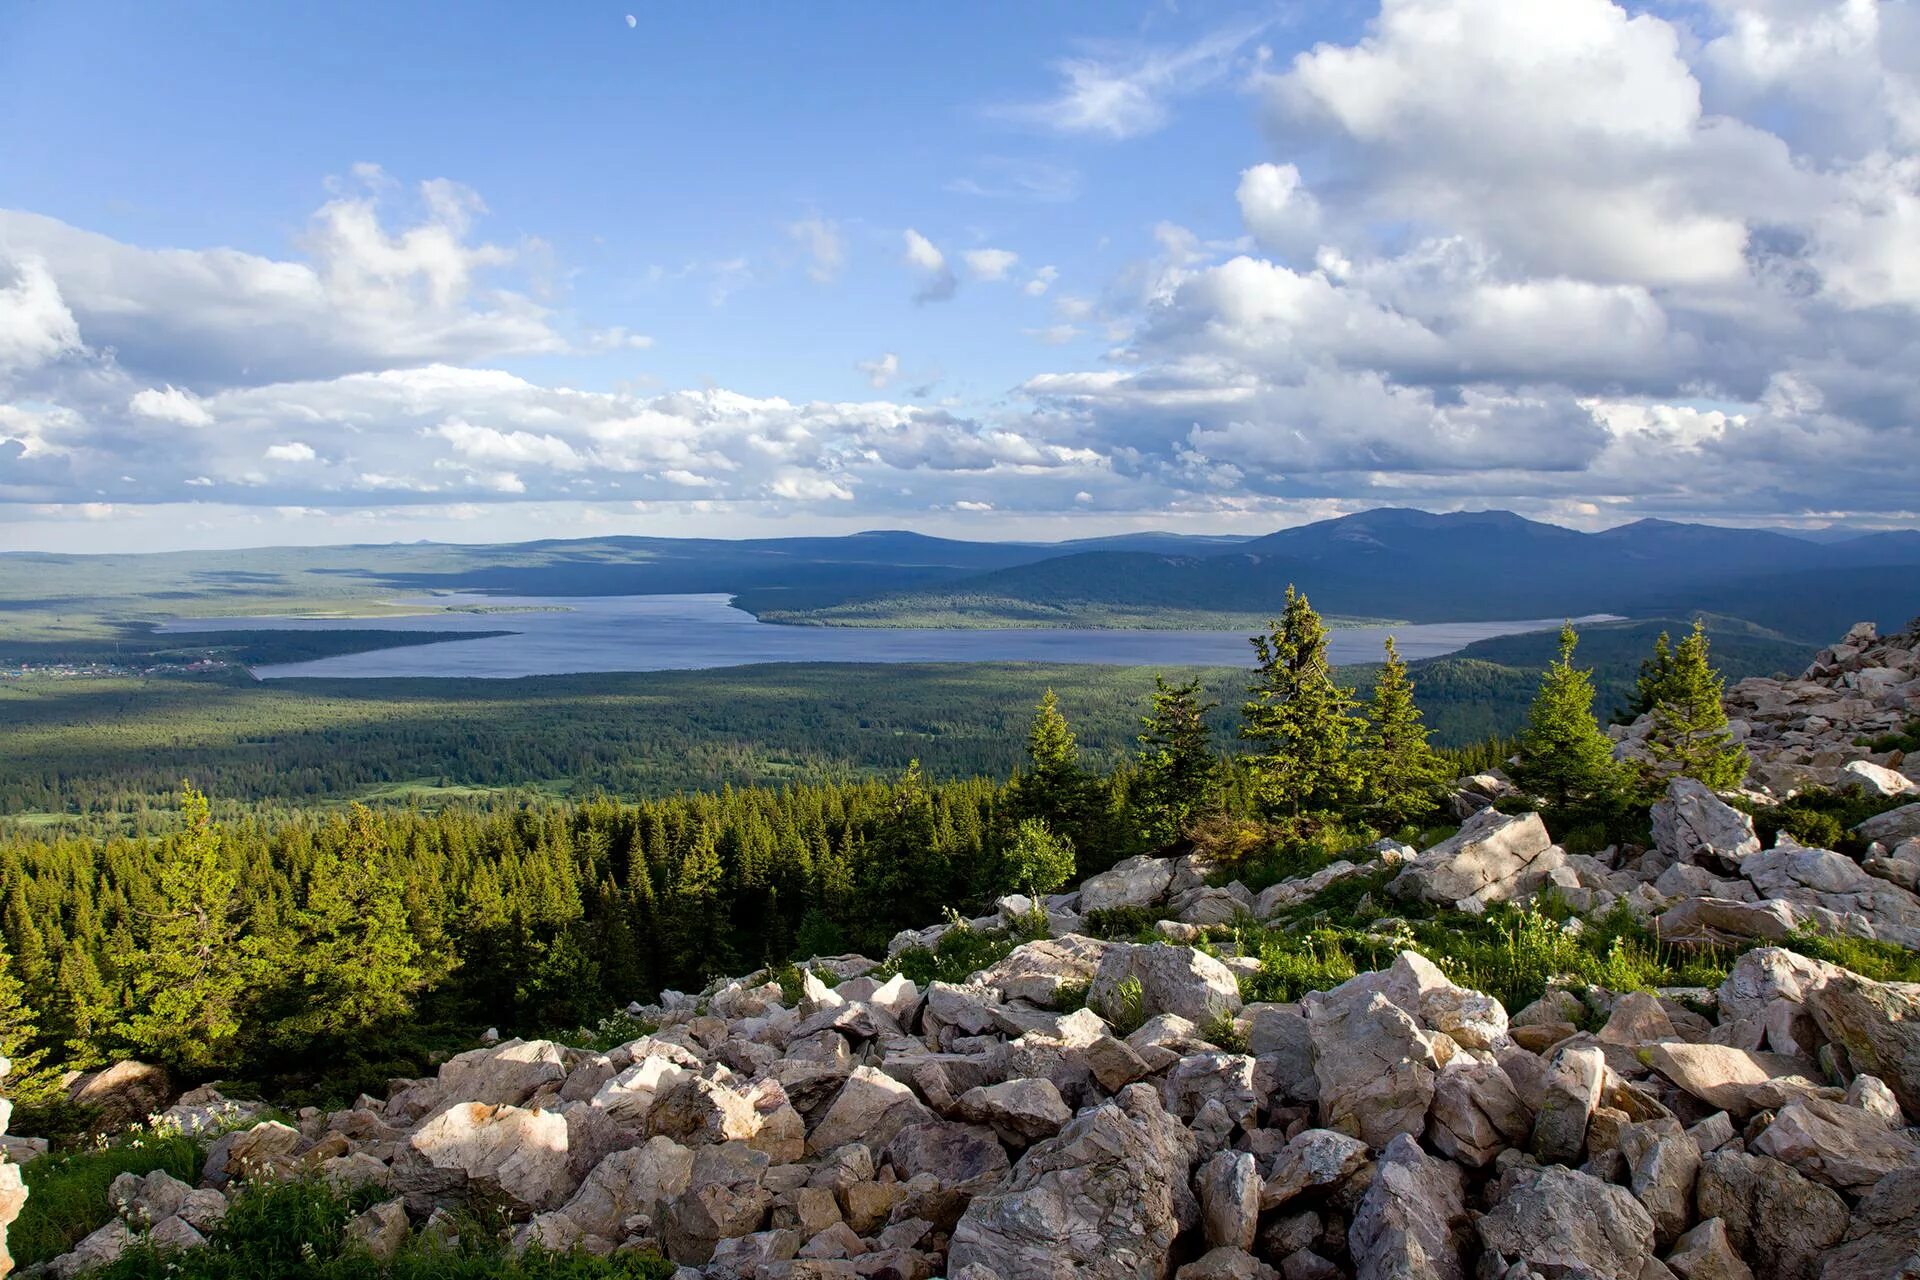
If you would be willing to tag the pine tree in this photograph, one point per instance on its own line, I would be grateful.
(1307, 770)
(1053, 786)
(1405, 777)
(196, 967)
(1177, 773)
(1565, 759)
(1689, 722)
(30, 1081)
(358, 961)
(1655, 673)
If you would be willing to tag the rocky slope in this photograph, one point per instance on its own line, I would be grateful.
(1398, 1125)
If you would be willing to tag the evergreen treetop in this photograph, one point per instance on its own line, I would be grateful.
(1307, 769)
(1405, 777)
(1690, 734)
(1564, 758)
(1177, 773)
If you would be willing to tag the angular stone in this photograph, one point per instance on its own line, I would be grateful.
(1729, 1079)
(506, 1074)
(381, 1231)
(1883, 1241)
(1311, 1160)
(1019, 1111)
(1477, 1113)
(1662, 1163)
(1561, 1222)
(1375, 1066)
(121, 1095)
(1493, 857)
(1776, 1219)
(1704, 1253)
(1228, 1187)
(1843, 1147)
(1136, 882)
(636, 1182)
(871, 1107)
(1694, 825)
(517, 1154)
(1573, 1085)
(1878, 1025)
(1097, 1201)
(724, 1198)
(1412, 1223)
(1176, 980)
(1037, 971)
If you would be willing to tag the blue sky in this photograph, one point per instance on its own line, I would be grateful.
(279, 274)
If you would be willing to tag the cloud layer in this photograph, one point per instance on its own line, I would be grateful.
(1572, 258)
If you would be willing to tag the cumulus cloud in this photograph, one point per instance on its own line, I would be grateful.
(365, 296)
(1040, 281)
(170, 404)
(990, 264)
(292, 451)
(937, 281)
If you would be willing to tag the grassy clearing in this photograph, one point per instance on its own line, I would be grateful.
(67, 1194)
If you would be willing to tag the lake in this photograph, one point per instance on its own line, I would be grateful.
(574, 634)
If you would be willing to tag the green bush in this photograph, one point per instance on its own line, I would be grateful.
(67, 1194)
(1820, 818)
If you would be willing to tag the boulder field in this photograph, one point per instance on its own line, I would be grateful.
(1398, 1125)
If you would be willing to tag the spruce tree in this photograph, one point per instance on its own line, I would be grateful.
(1655, 672)
(1307, 770)
(1177, 773)
(196, 967)
(1689, 722)
(30, 1081)
(1405, 776)
(358, 961)
(1053, 787)
(1564, 758)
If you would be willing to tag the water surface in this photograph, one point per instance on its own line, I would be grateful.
(574, 634)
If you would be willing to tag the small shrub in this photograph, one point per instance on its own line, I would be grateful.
(1071, 996)
(1224, 1030)
(961, 951)
(1127, 1012)
(610, 1032)
(1114, 923)
(1870, 958)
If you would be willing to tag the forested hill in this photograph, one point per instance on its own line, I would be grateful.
(1413, 566)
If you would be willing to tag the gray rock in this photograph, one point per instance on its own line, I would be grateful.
(1494, 857)
(1097, 1201)
(1412, 1222)
(1176, 980)
(1228, 1187)
(1778, 1220)
(1136, 882)
(1883, 1241)
(1375, 1066)
(1563, 1223)
(1694, 825)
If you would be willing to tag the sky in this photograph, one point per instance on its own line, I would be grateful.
(379, 272)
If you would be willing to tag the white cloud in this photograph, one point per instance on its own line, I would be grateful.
(802, 486)
(824, 246)
(170, 404)
(937, 281)
(1122, 93)
(881, 371)
(364, 297)
(1041, 281)
(292, 451)
(990, 264)
(35, 324)
(1280, 212)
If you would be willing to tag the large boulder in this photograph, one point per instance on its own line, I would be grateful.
(1891, 827)
(1694, 825)
(1846, 1148)
(121, 1095)
(725, 1198)
(1098, 1201)
(1564, 1223)
(1494, 857)
(509, 1152)
(1782, 1223)
(1037, 971)
(1883, 1241)
(1375, 1065)
(506, 1074)
(871, 1107)
(1176, 980)
(627, 1184)
(1877, 1026)
(1412, 1223)
(1477, 1113)
(1137, 882)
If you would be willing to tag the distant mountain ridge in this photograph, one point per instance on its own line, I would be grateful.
(1421, 567)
